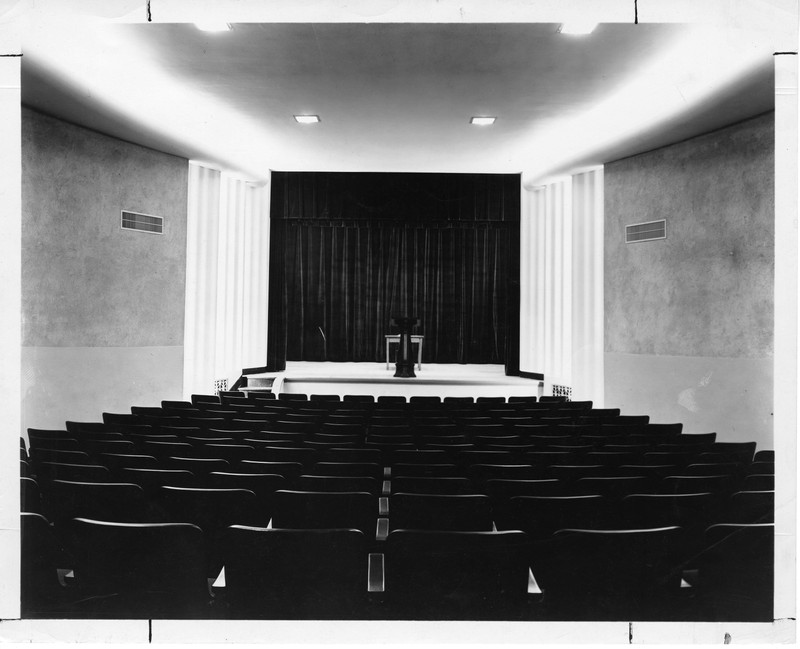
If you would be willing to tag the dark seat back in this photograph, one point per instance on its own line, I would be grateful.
(263, 485)
(736, 572)
(295, 574)
(41, 555)
(432, 485)
(751, 507)
(695, 511)
(152, 570)
(323, 510)
(311, 482)
(541, 516)
(212, 509)
(121, 502)
(353, 469)
(610, 574)
(456, 575)
(466, 513)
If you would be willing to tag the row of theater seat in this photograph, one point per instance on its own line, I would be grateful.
(452, 497)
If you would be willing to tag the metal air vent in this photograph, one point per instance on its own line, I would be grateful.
(650, 231)
(142, 222)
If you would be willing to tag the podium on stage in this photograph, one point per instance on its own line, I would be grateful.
(405, 359)
(394, 339)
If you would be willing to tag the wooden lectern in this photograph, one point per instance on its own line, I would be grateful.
(405, 360)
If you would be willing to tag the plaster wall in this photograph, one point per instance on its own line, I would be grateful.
(689, 319)
(102, 308)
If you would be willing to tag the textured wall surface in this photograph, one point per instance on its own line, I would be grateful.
(729, 396)
(695, 311)
(85, 281)
(706, 290)
(102, 308)
(80, 383)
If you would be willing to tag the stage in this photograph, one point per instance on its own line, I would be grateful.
(443, 380)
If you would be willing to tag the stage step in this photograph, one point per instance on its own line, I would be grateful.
(260, 383)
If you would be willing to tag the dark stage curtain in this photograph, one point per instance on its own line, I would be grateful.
(350, 250)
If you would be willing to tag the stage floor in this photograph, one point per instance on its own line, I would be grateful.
(434, 379)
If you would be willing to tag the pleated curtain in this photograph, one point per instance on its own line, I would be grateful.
(561, 278)
(226, 278)
(352, 251)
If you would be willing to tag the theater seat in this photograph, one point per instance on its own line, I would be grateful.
(40, 455)
(467, 513)
(736, 571)
(292, 396)
(543, 516)
(358, 398)
(325, 510)
(41, 556)
(617, 574)
(526, 400)
(151, 480)
(500, 489)
(30, 497)
(212, 510)
(750, 507)
(759, 482)
(338, 483)
(456, 575)
(140, 570)
(351, 469)
(47, 472)
(432, 485)
(102, 501)
(263, 485)
(295, 574)
(202, 399)
(325, 398)
(426, 471)
(693, 512)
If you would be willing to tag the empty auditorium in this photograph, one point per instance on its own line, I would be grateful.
(460, 316)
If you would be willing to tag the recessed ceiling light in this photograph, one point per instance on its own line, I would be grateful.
(482, 121)
(212, 26)
(307, 119)
(577, 28)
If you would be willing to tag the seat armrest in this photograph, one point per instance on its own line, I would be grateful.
(533, 587)
(383, 529)
(66, 577)
(375, 575)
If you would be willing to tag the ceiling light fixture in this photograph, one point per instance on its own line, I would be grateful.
(577, 28)
(213, 26)
(307, 119)
(482, 121)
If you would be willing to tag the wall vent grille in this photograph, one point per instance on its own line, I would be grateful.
(650, 231)
(220, 385)
(142, 222)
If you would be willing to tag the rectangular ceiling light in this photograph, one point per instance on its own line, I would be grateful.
(577, 28)
(307, 119)
(482, 121)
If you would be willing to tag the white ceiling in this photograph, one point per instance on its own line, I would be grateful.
(398, 96)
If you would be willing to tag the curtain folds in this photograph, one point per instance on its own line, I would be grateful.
(587, 293)
(562, 284)
(226, 278)
(351, 251)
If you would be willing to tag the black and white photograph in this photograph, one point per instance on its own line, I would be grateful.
(400, 322)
